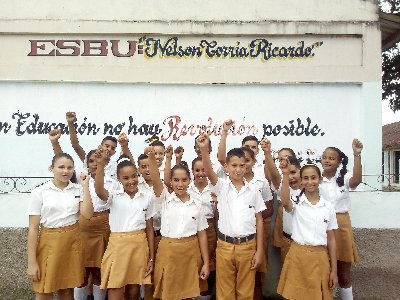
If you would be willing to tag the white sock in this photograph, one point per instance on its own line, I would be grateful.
(142, 291)
(98, 293)
(81, 293)
(346, 293)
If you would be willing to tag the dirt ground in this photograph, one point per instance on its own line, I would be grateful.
(376, 276)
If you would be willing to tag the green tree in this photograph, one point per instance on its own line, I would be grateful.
(391, 63)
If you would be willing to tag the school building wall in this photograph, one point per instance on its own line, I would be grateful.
(57, 56)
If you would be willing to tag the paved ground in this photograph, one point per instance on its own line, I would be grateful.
(377, 276)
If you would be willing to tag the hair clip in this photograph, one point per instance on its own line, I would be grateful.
(152, 139)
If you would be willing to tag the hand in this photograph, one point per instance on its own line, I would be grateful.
(214, 198)
(204, 272)
(257, 260)
(149, 268)
(179, 152)
(123, 140)
(101, 155)
(265, 145)
(71, 117)
(54, 135)
(227, 125)
(357, 147)
(33, 272)
(333, 280)
(84, 179)
(149, 151)
(203, 141)
(285, 165)
(168, 152)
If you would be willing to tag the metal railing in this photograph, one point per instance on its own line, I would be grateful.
(21, 184)
(373, 182)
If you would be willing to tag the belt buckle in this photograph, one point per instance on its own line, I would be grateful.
(236, 240)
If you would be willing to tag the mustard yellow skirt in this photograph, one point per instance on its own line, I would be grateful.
(346, 249)
(178, 265)
(305, 273)
(125, 260)
(278, 228)
(60, 259)
(95, 234)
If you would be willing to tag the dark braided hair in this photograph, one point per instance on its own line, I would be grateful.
(124, 161)
(181, 166)
(344, 160)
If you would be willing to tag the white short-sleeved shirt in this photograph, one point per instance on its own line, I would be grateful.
(56, 208)
(258, 169)
(206, 201)
(180, 219)
(338, 196)
(109, 184)
(311, 221)
(237, 209)
(129, 214)
(287, 217)
(161, 170)
(156, 204)
(262, 185)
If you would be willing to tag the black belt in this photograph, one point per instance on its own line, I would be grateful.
(235, 240)
(157, 233)
(287, 235)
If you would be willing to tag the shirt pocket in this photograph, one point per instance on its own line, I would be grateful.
(322, 223)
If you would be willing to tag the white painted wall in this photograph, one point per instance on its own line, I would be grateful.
(193, 11)
(369, 210)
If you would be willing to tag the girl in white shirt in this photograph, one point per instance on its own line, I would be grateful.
(55, 257)
(182, 266)
(309, 270)
(283, 223)
(128, 260)
(95, 233)
(335, 189)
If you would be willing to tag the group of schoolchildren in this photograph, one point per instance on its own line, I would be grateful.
(151, 229)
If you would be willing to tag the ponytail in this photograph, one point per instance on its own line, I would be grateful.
(344, 160)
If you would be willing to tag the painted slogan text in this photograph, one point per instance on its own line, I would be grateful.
(172, 128)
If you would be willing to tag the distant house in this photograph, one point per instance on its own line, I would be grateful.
(391, 152)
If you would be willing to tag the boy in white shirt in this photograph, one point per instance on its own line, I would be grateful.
(240, 237)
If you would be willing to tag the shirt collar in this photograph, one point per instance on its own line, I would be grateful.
(173, 197)
(194, 188)
(304, 199)
(246, 184)
(50, 185)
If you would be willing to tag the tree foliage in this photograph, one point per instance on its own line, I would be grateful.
(391, 63)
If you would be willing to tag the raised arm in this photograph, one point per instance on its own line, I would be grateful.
(123, 141)
(178, 154)
(203, 142)
(71, 119)
(54, 136)
(86, 206)
(101, 158)
(285, 190)
(168, 165)
(154, 172)
(357, 168)
(270, 170)
(221, 155)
